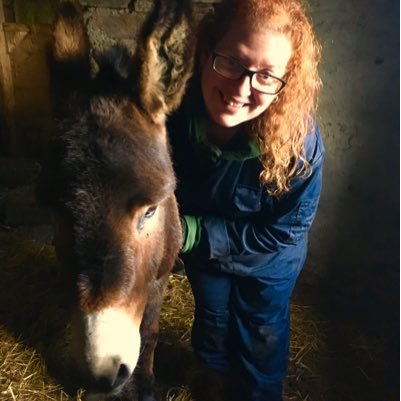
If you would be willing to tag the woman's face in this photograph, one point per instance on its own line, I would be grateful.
(230, 103)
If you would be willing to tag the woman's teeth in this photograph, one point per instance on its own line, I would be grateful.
(233, 103)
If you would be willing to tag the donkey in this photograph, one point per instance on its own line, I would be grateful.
(111, 183)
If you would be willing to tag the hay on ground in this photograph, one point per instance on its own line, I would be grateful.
(33, 323)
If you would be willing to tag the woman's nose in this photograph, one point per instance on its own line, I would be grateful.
(243, 85)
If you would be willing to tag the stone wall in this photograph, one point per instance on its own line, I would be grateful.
(111, 21)
(26, 27)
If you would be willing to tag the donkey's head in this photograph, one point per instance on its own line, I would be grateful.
(111, 182)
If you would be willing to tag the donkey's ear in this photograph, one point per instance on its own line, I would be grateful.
(69, 64)
(164, 58)
(70, 40)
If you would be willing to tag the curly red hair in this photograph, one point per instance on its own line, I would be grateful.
(281, 130)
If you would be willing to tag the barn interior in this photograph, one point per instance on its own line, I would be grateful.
(345, 325)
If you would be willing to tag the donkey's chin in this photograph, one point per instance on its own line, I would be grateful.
(106, 347)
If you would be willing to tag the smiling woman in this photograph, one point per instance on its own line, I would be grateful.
(237, 94)
(248, 157)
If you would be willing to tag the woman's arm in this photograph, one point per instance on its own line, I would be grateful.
(281, 223)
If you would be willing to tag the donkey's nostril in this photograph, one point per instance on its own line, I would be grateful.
(122, 375)
(110, 382)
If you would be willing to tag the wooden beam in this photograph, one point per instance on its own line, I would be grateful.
(6, 74)
(5, 63)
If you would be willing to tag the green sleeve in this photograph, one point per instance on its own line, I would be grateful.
(191, 232)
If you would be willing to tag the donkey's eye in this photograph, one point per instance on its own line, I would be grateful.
(150, 212)
(147, 215)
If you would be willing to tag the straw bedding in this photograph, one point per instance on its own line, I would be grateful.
(34, 332)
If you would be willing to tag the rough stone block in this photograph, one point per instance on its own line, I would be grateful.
(205, 1)
(105, 3)
(115, 26)
(200, 9)
(143, 6)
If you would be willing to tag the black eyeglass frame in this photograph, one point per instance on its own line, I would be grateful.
(248, 73)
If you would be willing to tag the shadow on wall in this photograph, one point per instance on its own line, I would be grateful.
(354, 251)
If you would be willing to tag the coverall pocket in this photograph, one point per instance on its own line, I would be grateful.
(247, 199)
(302, 219)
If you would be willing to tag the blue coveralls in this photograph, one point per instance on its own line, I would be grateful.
(252, 248)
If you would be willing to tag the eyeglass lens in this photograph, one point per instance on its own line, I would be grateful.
(232, 69)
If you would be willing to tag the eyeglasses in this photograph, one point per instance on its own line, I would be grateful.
(230, 68)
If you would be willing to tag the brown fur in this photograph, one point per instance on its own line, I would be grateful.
(110, 166)
(69, 38)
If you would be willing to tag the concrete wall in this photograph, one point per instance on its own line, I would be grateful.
(355, 242)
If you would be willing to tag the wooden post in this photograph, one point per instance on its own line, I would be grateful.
(7, 84)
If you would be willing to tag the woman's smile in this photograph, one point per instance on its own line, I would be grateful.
(232, 102)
